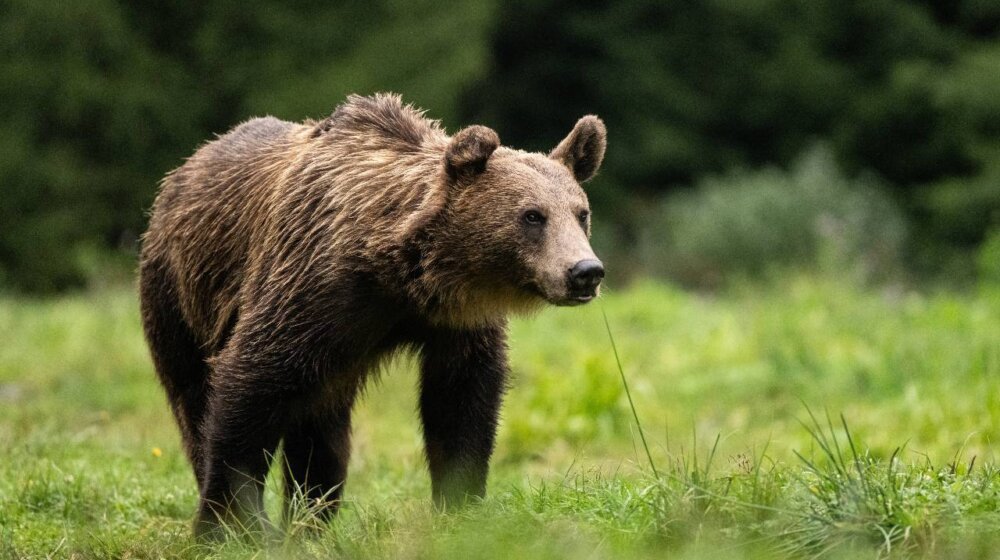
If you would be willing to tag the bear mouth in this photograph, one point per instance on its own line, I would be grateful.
(573, 300)
(570, 299)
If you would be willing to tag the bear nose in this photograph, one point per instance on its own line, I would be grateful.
(586, 274)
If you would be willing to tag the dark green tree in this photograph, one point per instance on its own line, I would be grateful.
(904, 89)
(98, 99)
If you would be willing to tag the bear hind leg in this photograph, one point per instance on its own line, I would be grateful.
(243, 424)
(317, 449)
(179, 361)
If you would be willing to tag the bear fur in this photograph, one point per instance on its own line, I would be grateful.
(284, 262)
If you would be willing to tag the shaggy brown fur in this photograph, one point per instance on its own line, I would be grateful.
(284, 261)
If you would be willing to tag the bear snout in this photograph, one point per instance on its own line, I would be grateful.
(583, 280)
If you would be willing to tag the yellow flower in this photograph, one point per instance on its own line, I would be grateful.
(157, 452)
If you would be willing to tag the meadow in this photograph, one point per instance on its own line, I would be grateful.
(807, 418)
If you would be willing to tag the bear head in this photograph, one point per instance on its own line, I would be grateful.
(517, 224)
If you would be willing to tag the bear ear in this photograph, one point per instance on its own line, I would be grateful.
(583, 150)
(468, 152)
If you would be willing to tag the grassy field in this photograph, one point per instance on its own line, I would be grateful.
(743, 398)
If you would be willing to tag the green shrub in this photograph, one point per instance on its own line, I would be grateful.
(988, 259)
(744, 224)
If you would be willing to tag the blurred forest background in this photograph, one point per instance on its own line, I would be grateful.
(860, 137)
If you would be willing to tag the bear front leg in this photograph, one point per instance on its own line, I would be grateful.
(243, 425)
(463, 379)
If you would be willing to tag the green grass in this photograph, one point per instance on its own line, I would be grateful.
(805, 419)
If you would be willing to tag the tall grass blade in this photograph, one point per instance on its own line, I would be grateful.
(628, 394)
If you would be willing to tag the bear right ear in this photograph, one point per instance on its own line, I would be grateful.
(468, 152)
(583, 150)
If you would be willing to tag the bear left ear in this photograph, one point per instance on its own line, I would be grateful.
(583, 150)
(468, 152)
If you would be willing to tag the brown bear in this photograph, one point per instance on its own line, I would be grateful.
(284, 262)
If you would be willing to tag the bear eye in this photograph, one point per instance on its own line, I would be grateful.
(534, 218)
(583, 216)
